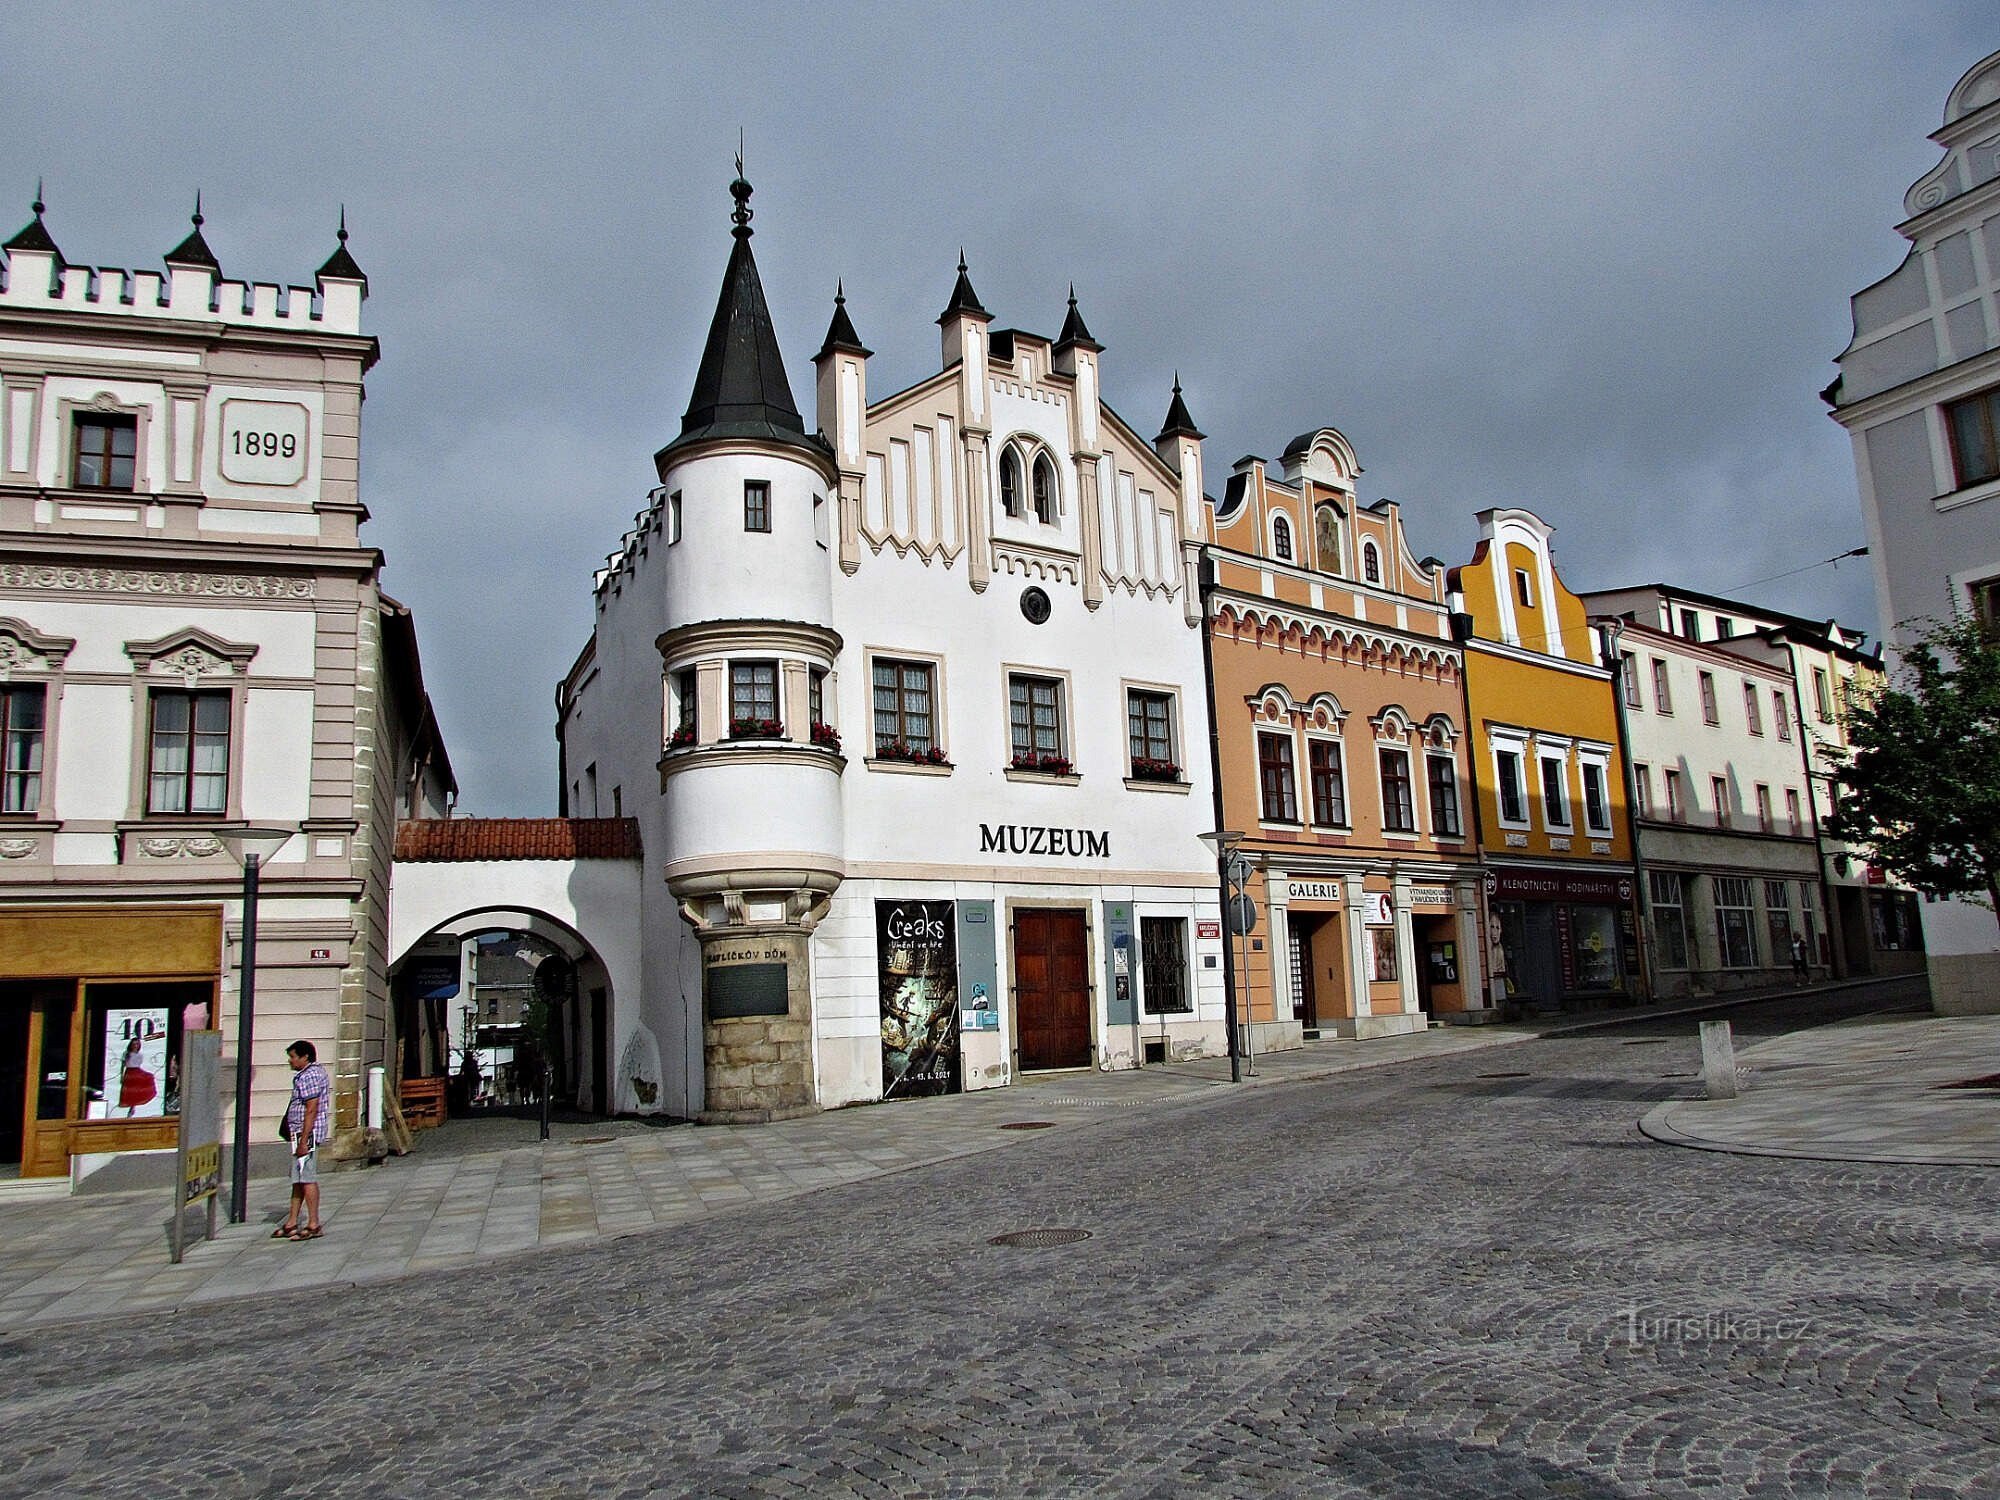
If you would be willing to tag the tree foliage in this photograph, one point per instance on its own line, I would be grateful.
(1920, 781)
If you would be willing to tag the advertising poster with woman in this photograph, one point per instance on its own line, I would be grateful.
(917, 964)
(135, 1066)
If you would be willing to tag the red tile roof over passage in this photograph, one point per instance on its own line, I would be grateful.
(465, 839)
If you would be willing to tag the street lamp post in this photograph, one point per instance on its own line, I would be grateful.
(253, 846)
(1222, 843)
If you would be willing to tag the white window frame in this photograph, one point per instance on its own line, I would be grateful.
(1516, 746)
(1589, 760)
(1557, 751)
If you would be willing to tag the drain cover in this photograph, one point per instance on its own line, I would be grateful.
(1036, 1239)
(1029, 1125)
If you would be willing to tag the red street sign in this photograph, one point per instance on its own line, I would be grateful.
(1207, 930)
(1877, 875)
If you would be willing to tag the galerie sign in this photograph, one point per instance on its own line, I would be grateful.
(1313, 890)
(916, 955)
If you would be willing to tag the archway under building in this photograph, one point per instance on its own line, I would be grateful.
(515, 942)
(495, 1008)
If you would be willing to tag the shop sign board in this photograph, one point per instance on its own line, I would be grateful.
(199, 1177)
(1378, 909)
(1313, 890)
(916, 955)
(1430, 895)
(1559, 885)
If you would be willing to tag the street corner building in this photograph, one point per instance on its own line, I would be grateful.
(1340, 719)
(908, 713)
(1552, 806)
(1919, 394)
(195, 658)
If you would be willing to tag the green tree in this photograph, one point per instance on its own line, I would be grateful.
(1920, 780)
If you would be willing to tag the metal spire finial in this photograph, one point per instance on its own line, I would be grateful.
(39, 205)
(341, 233)
(840, 292)
(961, 260)
(198, 221)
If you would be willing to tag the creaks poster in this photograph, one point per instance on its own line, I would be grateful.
(916, 947)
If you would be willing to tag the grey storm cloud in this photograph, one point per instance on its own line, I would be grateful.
(1590, 259)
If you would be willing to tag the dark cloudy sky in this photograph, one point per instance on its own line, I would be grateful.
(1593, 259)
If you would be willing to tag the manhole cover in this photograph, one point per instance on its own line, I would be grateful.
(1029, 1125)
(1036, 1239)
(593, 1140)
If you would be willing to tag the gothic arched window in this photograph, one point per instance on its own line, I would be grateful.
(1010, 481)
(1045, 491)
(1281, 539)
(1371, 563)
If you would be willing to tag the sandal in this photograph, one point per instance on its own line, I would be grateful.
(306, 1234)
(284, 1231)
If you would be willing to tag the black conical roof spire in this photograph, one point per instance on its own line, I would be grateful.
(1073, 329)
(340, 265)
(194, 251)
(840, 332)
(963, 298)
(1179, 423)
(34, 234)
(741, 389)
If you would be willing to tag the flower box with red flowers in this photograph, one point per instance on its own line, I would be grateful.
(1145, 769)
(756, 729)
(1042, 764)
(681, 738)
(925, 755)
(826, 737)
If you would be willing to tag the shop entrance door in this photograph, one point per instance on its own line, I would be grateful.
(1540, 974)
(1305, 997)
(36, 1026)
(1051, 989)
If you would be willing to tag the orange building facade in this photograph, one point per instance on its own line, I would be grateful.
(1342, 757)
(1552, 806)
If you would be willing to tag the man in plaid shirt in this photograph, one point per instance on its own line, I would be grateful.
(308, 1124)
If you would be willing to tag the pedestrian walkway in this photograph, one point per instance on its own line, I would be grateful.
(105, 1254)
(1886, 1088)
(101, 1255)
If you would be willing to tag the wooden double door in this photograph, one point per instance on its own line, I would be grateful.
(1051, 988)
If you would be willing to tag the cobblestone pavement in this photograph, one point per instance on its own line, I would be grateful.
(1465, 1276)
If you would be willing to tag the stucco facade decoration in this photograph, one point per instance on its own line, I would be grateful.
(1919, 394)
(1340, 717)
(909, 711)
(1553, 816)
(192, 640)
(1862, 921)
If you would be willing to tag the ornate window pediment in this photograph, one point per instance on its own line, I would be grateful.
(1392, 724)
(191, 654)
(24, 649)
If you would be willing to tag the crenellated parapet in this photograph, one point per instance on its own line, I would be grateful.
(36, 277)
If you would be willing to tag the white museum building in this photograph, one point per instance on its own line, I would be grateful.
(909, 713)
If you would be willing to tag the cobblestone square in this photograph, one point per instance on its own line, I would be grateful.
(1467, 1276)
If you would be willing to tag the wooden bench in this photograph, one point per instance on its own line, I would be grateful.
(423, 1102)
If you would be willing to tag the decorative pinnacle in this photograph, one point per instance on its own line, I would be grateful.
(961, 255)
(840, 292)
(39, 205)
(1072, 295)
(341, 233)
(742, 214)
(1177, 382)
(198, 220)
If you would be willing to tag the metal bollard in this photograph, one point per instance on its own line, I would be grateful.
(1718, 1060)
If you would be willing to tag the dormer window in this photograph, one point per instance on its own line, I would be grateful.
(1045, 491)
(1010, 481)
(1281, 539)
(1371, 563)
(105, 447)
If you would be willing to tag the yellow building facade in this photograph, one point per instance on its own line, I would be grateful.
(1551, 801)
